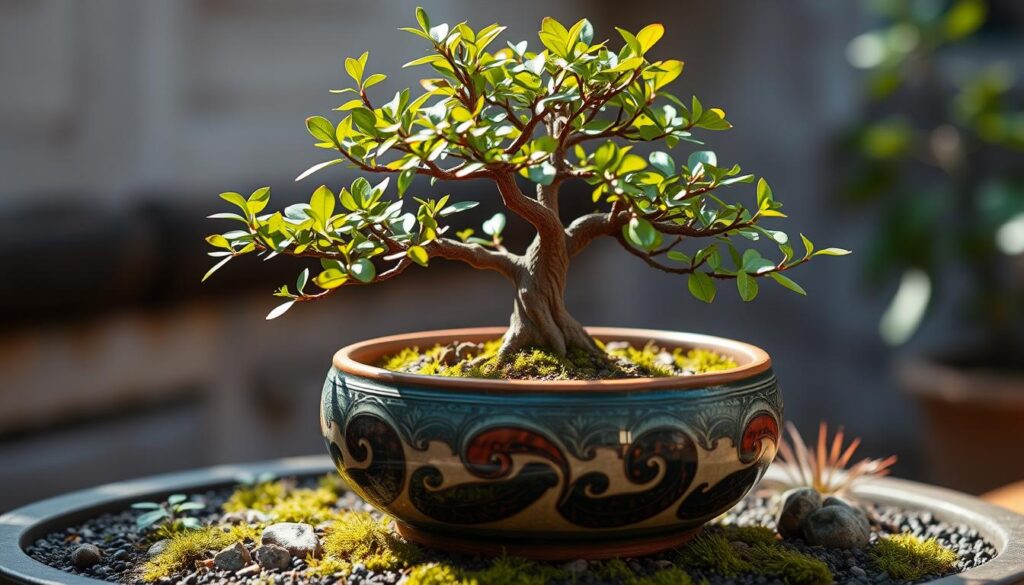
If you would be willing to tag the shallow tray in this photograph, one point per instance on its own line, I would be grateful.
(22, 526)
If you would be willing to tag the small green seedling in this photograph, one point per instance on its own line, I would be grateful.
(169, 517)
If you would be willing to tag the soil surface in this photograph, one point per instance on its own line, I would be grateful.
(124, 550)
(620, 360)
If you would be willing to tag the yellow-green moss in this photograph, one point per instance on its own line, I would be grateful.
(285, 503)
(909, 558)
(261, 496)
(714, 552)
(185, 548)
(358, 537)
(435, 574)
(541, 364)
(311, 506)
(328, 566)
(502, 571)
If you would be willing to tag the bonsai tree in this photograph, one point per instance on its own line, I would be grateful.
(570, 110)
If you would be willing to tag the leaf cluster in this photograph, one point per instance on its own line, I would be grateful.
(570, 107)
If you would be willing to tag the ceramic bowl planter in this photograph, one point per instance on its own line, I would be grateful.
(551, 469)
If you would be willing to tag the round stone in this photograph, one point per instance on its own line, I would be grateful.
(271, 556)
(86, 555)
(232, 558)
(797, 505)
(297, 538)
(836, 527)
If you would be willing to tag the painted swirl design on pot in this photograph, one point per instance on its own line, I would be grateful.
(575, 465)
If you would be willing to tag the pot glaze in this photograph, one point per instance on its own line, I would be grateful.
(551, 469)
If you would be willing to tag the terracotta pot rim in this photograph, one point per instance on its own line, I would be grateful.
(931, 379)
(355, 359)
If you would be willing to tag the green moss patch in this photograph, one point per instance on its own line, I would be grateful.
(185, 548)
(621, 360)
(909, 558)
(735, 551)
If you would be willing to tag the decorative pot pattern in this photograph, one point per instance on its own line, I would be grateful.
(559, 466)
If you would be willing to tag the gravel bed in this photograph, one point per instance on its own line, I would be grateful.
(124, 549)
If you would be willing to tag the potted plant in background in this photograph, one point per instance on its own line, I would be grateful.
(939, 153)
(544, 438)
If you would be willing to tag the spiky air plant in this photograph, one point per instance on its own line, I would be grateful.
(825, 467)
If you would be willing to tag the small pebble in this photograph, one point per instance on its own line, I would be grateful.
(86, 555)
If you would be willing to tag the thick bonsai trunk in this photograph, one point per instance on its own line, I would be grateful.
(539, 317)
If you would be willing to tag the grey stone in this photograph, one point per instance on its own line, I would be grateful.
(271, 556)
(836, 527)
(298, 539)
(86, 555)
(158, 547)
(836, 501)
(797, 506)
(232, 558)
(858, 572)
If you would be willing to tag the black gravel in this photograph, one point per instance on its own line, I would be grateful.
(124, 549)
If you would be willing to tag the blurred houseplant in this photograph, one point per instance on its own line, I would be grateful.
(938, 157)
(442, 453)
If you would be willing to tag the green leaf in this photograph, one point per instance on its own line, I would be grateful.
(554, 36)
(374, 80)
(641, 233)
(422, 18)
(495, 225)
(322, 203)
(746, 285)
(237, 200)
(457, 207)
(363, 270)
(663, 162)
(418, 255)
(354, 69)
(754, 263)
(631, 163)
(764, 194)
(280, 310)
(300, 282)
(404, 180)
(321, 128)
(701, 286)
(649, 35)
(832, 252)
(787, 282)
(543, 174)
(318, 167)
(216, 267)
(258, 200)
(677, 256)
(808, 246)
(150, 518)
(705, 157)
(670, 70)
(145, 506)
(330, 278)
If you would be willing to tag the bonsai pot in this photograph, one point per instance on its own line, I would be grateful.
(985, 408)
(551, 469)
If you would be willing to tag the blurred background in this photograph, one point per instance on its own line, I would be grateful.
(892, 128)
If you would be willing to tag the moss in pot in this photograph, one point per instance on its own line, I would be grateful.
(545, 439)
